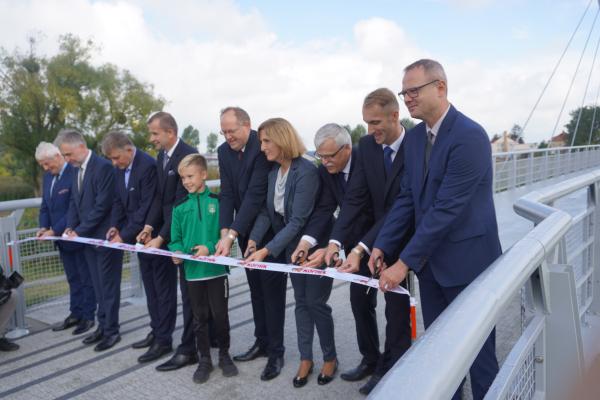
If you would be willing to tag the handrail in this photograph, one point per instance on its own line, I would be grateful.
(449, 346)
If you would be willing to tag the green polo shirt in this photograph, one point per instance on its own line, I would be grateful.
(195, 221)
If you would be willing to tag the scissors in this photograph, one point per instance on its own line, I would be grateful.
(334, 259)
(299, 258)
(377, 272)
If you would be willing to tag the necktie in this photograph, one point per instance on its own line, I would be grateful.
(80, 179)
(428, 146)
(240, 154)
(165, 160)
(54, 179)
(387, 159)
(127, 173)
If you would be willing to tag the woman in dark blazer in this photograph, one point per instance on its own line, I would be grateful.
(293, 189)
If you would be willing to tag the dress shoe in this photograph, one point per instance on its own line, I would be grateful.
(370, 385)
(227, 366)
(203, 371)
(147, 342)
(107, 342)
(178, 361)
(83, 326)
(155, 352)
(94, 337)
(69, 322)
(323, 379)
(253, 352)
(300, 381)
(6, 345)
(360, 372)
(272, 369)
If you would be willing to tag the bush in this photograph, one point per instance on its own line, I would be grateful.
(12, 188)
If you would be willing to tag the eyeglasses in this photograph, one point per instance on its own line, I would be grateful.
(413, 93)
(329, 156)
(229, 132)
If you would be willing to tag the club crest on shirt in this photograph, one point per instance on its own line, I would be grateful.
(212, 208)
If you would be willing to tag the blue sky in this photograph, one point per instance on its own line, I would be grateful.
(314, 61)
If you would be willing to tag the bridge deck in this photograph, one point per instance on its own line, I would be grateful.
(57, 365)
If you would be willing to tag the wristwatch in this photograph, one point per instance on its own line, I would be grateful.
(358, 252)
(231, 236)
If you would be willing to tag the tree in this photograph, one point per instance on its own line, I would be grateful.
(516, 134)
(407, 123)
(356, 133)
(588, 123)
(191, 136)
(40, 95)
(211, 142)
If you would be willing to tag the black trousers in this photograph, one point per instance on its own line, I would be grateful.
(364, 303)
(267, 294)
(397, 330)
(209, 300)
(188, 342)
(159, 275)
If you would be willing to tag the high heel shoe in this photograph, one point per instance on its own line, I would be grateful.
(323, 379)
(300, 381)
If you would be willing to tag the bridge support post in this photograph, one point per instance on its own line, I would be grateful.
(564, 348)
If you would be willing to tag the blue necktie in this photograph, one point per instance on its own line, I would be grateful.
(387, 159)
(342, 181)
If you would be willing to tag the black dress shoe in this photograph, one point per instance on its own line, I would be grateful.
(146, 342)
(178, 361)
(360, 372)
(323, 379)
(69, 322)
(370, 385)
(253, 352)
(107, 342)
(300, 381)
(94, 337)
(155, 352)
(6, 345)
(272, 369)
(83, 326)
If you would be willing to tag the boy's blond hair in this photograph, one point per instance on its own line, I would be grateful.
(192, 159)
(283, 134)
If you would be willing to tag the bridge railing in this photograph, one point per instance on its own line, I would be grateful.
(557, 265)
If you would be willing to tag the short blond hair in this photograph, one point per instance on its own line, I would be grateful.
(284, 135)
(384, 98)
(194, 159)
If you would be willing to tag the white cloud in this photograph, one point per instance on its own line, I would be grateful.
(202, 56)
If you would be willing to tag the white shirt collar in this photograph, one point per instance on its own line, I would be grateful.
(396, 145)
(436, 127)
(62, 169)
(170, 152)
(132, 158)
(346, 169)
(87, 159)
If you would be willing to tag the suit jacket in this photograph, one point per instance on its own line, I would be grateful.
(243, 185)
(331, 197)
(133, 202)
(55, 204)
(168, 190)
(452, 203)
(90, 208)
(301, 189)
(369, 185)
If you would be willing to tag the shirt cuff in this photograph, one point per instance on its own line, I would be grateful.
(365, 247)
(311, 240)
(338, 244)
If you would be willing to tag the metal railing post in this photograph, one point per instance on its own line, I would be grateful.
(594, 193)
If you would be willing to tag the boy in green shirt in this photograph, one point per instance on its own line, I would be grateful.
(195, 230)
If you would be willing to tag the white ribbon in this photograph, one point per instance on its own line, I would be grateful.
(229, 261)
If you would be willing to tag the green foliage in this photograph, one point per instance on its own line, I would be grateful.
(356, 133)
(211, 142)
(543, 145)
(590, 121)
(40, 95)
(191, 136)
(12, 188)
(407, 123)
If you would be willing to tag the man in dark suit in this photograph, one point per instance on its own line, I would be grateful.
(135, 188)
(244, 174)
(157, 231)
(448, 193)
(89, 216)
(376, 180)
(56, 196)
(338, 163)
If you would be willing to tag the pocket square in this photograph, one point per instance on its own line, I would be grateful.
(171, 172)
(131, 189)
(63, 191)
